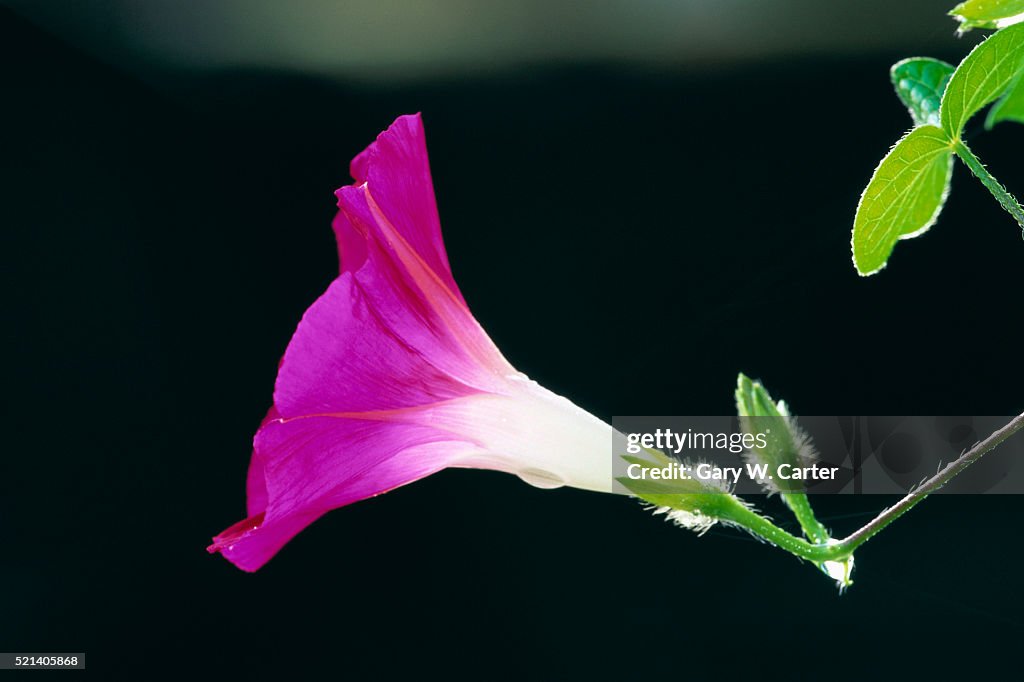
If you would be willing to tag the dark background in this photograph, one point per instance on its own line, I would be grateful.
(630, 237)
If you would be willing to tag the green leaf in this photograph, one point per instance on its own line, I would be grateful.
(987, 13)
(985, 74)
(1009, 108)
(904, 197)
(919, 83)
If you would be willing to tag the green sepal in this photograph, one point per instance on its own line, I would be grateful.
(760, 415)
(785, 444)
(689, 495)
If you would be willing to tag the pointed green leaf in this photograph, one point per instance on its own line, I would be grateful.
(988, 13)
(1010, 107)
(919, 83)
(904, 197)
(985, 74)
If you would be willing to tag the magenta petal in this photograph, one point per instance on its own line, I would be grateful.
(368, 392)
(251, 543)
(255, 486)
(397, 171)
(356, 350)
(315, 464)
(386, 335)
(255, 481)
(352, 246)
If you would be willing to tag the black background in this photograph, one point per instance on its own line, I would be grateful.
(629, 239)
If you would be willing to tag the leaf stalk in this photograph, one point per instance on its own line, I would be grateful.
(1005, 199)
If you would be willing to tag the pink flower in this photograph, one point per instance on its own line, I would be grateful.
(389, 378)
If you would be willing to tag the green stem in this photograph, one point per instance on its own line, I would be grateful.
(931, 485)
(1004, 198)
(801, 508)
(766, 530)
(818, 552)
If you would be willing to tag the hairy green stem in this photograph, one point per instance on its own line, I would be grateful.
(1004, 198)
(818, 552)
(801, 508)
(931, 485)
(766, 530)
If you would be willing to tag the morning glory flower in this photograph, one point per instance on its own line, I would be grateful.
(389, 378)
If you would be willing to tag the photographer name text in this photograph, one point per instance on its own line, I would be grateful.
(709, 472)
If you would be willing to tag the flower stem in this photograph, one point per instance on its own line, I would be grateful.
(766, 530)
(931, 485)
(1004, 198)
(801, 508)
(818, 552)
